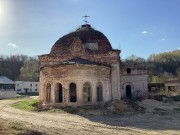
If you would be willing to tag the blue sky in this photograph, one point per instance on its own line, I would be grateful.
(139, 27)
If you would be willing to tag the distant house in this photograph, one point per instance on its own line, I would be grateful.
(7, 88)
(26, 87)
(155, 86)
(134, 81)
(168, 85)
(171, 85)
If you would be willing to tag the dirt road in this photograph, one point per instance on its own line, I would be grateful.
(148, 123)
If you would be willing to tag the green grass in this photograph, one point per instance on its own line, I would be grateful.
(28, 104)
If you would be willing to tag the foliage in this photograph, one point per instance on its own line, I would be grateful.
(176, 98)
(178, 73)
(156, 79)
(165, 57)
(161, 67)
(28, 104)
(134, 58)
(12, 66)
(30, 71)
(11, 69)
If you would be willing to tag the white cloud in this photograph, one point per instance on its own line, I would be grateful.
(163, 39)
(144, 32)
(13, 45)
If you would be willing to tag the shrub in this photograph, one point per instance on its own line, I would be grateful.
(176, 98)
(159, 97)
(72, 110)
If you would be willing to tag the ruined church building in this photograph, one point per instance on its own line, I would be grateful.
(82, 68)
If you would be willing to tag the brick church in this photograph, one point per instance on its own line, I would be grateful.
(82, 68)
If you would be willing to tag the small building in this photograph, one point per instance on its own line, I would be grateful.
(25, 87)
(134, 82)
(82, 68)
(155, 86)
(172, 85)
(7, 88)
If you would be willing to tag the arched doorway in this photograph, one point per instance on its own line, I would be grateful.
(99, 92)
(48, 93)
(72, 92)
(59, 93)
(128, 91)
(86, 92)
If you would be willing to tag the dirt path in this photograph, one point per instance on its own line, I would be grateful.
(61, 123)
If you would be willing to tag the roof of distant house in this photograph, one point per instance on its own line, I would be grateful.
(5, 80)
(172, 81)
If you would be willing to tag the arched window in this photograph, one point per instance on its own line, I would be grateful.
(72, 92)
(59, 93)
(128, 91)
(86, 92)
(48, 93)
(99, 92)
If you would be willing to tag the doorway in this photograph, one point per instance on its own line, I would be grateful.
(128, 91)
(99, 93)
(86, 92)
(59, 93)
(72, 92)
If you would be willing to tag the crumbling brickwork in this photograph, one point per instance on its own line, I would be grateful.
(82, 68)
(81, 57)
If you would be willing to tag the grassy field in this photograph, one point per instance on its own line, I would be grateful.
(27, 104)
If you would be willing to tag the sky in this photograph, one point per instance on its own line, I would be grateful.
(139, 27)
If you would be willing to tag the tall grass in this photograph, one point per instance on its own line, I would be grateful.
(28, 104)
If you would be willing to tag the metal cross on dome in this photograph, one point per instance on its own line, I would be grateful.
(85, 19)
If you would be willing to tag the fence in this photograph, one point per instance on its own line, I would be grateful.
(7, 94)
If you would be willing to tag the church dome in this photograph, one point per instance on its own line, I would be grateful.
(91, 40)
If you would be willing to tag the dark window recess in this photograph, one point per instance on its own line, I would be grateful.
(128, 70)
(72, 92)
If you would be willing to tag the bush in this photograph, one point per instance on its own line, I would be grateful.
(72, 110)
(176, 98)
(159, 97)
